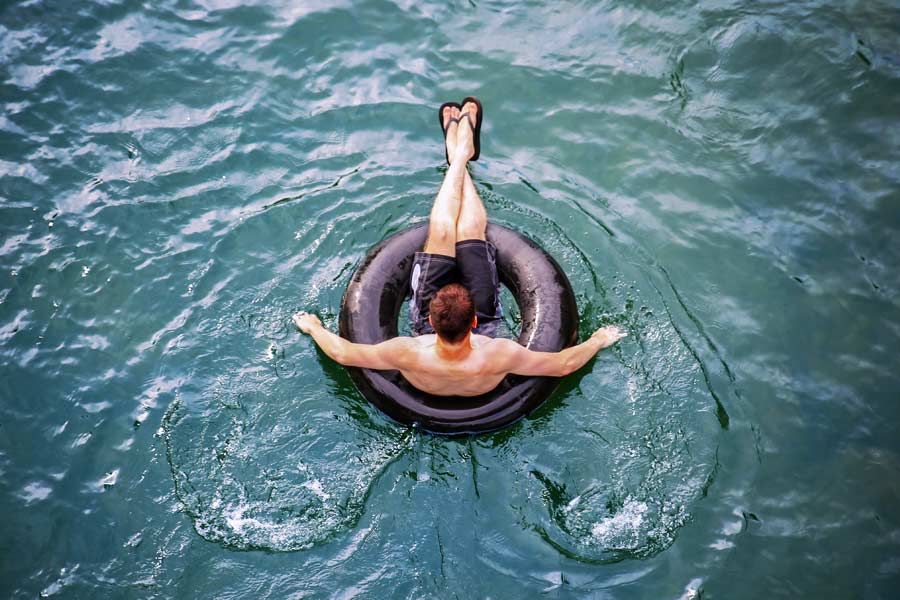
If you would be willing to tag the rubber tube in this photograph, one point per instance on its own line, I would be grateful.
(371, 307)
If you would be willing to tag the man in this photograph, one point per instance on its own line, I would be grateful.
(454, 352)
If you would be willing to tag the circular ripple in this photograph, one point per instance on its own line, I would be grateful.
(610, 468)
(633, 460)
(255, 474)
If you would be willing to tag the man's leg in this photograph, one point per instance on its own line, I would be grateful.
(472, 220)
(476, 258)
(445, 210)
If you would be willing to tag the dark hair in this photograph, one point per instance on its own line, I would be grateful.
(452, 311)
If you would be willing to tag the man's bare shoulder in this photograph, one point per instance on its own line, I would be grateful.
(493, 343)
(406, 347)
(405, 343)
(499, 350)
(413, 343)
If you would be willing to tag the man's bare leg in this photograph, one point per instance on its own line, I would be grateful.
(472, 220)
(446, 209)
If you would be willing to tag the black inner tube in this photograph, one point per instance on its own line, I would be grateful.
(371, 306)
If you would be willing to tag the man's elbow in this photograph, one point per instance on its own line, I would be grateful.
(568, 366)
(340, 357)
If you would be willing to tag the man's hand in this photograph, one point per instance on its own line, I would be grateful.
(609, 335)
(305, 321)
(391, 354)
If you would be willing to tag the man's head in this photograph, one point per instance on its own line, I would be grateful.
(452, 313)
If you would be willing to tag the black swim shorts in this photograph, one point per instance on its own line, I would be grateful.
(475, 268)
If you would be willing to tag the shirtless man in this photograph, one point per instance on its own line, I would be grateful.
(454, 352)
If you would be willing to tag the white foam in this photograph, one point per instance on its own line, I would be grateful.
(237, 522)
(626, 522)
(315, 486)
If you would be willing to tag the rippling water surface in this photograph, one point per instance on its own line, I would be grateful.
(177, 178)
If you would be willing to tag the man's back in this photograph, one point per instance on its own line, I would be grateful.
(473, 372)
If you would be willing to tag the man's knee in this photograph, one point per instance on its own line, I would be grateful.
(442, 229)
(441, 233)
(470, 230)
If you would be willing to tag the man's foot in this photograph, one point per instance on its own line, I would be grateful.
(465, 134)
(450, 123)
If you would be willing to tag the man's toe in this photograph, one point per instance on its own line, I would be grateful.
(472, 110)
(449, 115)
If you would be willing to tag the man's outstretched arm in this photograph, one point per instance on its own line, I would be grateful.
(386, 355)
(521, 361)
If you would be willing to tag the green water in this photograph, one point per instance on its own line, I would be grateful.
(177, 178)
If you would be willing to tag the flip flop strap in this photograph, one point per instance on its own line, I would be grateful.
(449, 121)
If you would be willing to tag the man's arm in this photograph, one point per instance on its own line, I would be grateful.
(391, 354)
(522, 361)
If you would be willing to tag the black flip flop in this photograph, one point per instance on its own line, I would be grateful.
(441, 123)
(477, 126)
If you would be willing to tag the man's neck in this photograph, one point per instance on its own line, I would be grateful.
(454, 352)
